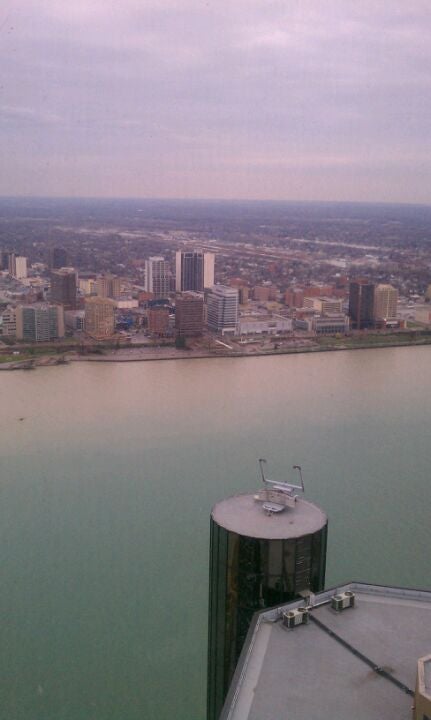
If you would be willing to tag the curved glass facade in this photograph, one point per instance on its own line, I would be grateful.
(249, 574)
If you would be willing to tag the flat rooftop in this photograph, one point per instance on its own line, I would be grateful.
(244, 515)
(320, 670)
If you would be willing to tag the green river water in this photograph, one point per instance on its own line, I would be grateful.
(106, 486)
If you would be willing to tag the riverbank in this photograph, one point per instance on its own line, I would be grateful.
(288, 347)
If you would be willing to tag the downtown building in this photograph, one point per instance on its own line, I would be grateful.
(99, 317)
(361, 304)
(385, 303)
(63, 287)
(194, 270)
(16, 265)
(189, 314)
(158, 321)
(222, 307)
(323, 305)
(57, 258)
(8, 322)
(39, 322)
(108, 286)
(157, 277)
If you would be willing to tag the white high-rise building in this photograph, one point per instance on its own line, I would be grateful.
(385, 302)
(223, 309)
(157, 276)
(194, 270)
(209, 262)
(20, 267)
(17, 266)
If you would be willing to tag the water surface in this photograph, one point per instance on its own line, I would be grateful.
(106, 487)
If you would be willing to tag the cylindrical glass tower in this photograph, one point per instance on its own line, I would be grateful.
(257, 559)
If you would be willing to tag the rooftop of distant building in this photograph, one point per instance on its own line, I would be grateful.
(360, 663)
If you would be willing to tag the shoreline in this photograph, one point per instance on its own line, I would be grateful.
(128, 355)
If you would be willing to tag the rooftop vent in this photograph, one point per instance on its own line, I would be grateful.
(343, 600)
(276, 496)
(292, 618)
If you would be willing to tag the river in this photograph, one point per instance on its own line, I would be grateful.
(108, 475)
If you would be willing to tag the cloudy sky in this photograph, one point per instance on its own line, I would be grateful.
(283, 99)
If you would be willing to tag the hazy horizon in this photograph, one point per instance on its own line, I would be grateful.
(251, 100)
(213, 200)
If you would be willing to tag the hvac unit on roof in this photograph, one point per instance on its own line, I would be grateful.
(343, 600)
(299, 616)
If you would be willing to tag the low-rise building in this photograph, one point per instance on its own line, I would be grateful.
(422, 314)
(8, 322)
(323, 305)
(264, 324)
(294, 297)
(75, 320)
(127, 303)
(330, 324)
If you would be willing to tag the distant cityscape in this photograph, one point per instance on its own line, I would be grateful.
(214, 285)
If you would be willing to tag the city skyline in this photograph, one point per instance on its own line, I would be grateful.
(248, 100)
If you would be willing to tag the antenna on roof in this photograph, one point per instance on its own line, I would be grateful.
(277, 494)
(283, 485)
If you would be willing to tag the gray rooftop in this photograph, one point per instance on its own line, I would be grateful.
(308, 673)
(244, 515)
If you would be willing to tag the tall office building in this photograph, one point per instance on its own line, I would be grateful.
(189, 314)
(16, 265)
(20, 267)
(385, 302)
(39, 322)
(265, 548)
(57, 258)
(223, 309)
(4, 260)
(99, 317)
(361, 304)
(63, 287)
(158, 321)
(194, 270)
(108, 286)
(157, 276)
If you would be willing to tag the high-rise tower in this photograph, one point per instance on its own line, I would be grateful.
(361, 304)
(99, 317)
(189, 314)
(385, 302)
(266, 548)
(16, 265)
(194, 270)
(39, 322)
(57, 258)
(157, 276)
(63, 287)
(223, 309)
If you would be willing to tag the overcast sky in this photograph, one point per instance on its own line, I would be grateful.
(289, 99)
